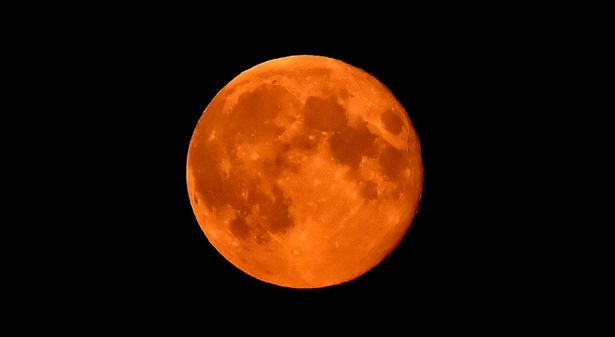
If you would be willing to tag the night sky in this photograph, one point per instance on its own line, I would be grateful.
(139, 93)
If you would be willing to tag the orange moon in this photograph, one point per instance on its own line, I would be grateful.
(304, 172)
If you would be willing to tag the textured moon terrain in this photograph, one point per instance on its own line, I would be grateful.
(304, 172)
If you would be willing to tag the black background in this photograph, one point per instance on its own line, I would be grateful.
(448, 252)
(135, 94)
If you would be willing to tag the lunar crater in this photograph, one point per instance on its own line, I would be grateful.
(392, 122)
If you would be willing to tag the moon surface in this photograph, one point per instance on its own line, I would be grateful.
(304, 172)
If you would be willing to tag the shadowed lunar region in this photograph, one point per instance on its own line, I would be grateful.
(304, 172)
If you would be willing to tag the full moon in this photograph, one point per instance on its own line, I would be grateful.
(304, 172)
